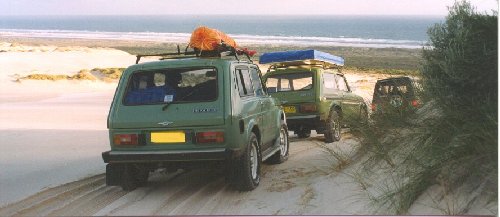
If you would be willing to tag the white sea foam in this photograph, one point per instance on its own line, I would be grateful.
(242, 39)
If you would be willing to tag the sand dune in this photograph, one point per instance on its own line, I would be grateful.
(52, 132)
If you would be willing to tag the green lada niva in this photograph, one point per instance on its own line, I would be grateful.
(314, 93)
(181, 112)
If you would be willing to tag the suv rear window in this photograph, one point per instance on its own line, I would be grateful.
(290, 82)
(172, 85)
(403, 88)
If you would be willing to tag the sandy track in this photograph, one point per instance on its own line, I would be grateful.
(285, 189)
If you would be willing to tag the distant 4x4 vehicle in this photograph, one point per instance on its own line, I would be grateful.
(177, 112)
(395, 96)
(314, 93)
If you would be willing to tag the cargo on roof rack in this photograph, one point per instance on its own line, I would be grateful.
(206, 42)
(301, 57)
(221, 51)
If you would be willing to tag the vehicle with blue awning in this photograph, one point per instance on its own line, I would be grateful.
(313, 91)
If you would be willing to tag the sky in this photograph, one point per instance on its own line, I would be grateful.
(243, 7)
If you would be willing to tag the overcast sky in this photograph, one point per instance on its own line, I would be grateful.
(246, 7)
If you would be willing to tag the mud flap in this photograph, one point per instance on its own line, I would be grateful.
(114, 174)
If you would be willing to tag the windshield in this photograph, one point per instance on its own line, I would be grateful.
(290, 82)
(172, 85)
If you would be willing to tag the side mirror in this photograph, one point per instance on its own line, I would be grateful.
(272, 90)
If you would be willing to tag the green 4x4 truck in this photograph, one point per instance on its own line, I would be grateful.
(180, 112)
(313, 92)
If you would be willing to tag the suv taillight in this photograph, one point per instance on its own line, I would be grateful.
(374, 107)
(126, 139)
(305, 108)
(209, 137)
(415, 103)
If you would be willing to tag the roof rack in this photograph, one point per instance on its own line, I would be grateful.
(304, 63)
(222, 49)
(296, 58)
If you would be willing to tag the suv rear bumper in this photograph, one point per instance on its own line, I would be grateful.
(306, 121)
(169, 156)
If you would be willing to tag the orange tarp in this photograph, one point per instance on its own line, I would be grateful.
(205, 38)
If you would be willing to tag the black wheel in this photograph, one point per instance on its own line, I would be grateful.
(304, 133)
(134, 176)
(282, 155)
(247, 170)
(333, 127)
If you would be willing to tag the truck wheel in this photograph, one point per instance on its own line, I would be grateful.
(333, 127)
(281, 155)
(304, 133)
(248, 166)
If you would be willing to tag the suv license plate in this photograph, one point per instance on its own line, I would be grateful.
(289, 109)
(168, 137)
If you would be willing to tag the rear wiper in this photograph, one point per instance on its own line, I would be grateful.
(183, 98)
(166, 106)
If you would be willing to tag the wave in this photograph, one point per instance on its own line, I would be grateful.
(242, 39)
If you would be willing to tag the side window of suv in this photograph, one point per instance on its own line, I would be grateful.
(245, 85)
(330, 84)
(341, 82)
(257, 83)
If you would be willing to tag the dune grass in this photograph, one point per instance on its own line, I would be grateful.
(452, 141)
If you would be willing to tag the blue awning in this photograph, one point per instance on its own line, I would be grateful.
(300, 55)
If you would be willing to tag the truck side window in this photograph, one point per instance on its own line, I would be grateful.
(245, 86)
(330, 84)
(341, 82)
(257, 83)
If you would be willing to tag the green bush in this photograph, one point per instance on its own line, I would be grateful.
(460, 73)
(452, 141)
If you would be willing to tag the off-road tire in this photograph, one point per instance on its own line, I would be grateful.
(247, 179)
(333, 127)
(281, 155)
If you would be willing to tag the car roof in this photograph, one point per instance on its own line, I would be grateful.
(183, 62)
(396, 79)
(288, 70)
(193, 60)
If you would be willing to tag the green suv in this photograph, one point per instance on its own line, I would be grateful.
(181, 112)
(395, 96)
(313, 92)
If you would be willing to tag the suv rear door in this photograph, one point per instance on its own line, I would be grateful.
(147, 102)
(293, 88)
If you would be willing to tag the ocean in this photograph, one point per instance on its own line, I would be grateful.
(353, 31)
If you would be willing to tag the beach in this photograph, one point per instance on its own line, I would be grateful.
(54, 131)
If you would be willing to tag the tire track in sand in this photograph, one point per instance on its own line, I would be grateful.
(45, 201)
(198, 180)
